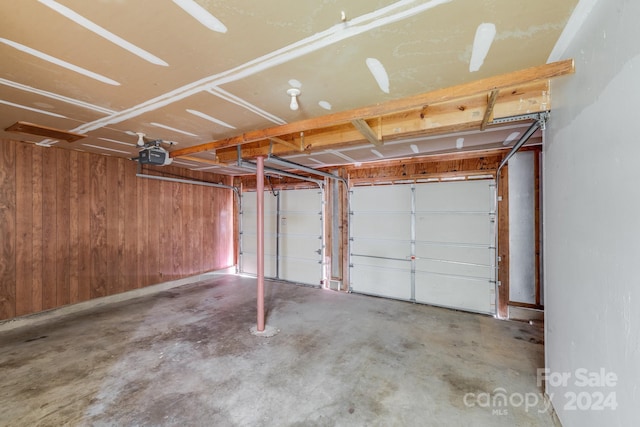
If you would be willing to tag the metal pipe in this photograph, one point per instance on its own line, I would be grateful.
(323, 215)
(240, 253)
(271, 171)
(287, 163)
(278, 234)
(236, 191)
(188, 181)
(523, 139)
(412, 245)
(260, 232)
(539, 123)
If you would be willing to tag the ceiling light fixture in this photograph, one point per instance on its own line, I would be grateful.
(293, 93)
(141, 141)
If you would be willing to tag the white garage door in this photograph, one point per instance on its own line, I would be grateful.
(293, 235)
(381, 240)
(249, 236)
(431, 243)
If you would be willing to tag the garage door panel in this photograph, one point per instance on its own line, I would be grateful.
(471, 295)
(301, 247)
(301, 223)
(300, 200)
(390, 279)
(250, 264)
(249, 203)
(390, 198)
(302, 271)
(301, 236)
(476, 255)
(385, 248)
(251, 243)
(381, 226)
(455, 269)
(251, 226)
(452, 228)
(249, 234)
(299, 239)
(454, 196)
(452, 243)
(394, 264)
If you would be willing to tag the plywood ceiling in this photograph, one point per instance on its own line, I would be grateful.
(194, 72)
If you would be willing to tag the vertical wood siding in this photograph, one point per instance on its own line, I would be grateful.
(76, 226)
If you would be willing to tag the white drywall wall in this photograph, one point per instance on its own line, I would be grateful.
(592, 220)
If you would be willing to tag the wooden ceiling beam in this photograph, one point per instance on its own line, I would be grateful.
(526, 76)
(46, 131)
(366, 131)
(462, 115)
(205, 161)
(290, 144)
(488, 113)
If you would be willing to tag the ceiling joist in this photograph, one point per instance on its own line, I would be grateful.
(290, 144)
(440, 96)
(451, 117)
(366, 131)
(215, 162)
(488, 113)
(46, 131)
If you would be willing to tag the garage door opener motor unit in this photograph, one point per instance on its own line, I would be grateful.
(152, 153)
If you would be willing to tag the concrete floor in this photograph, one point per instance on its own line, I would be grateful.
(186, 357)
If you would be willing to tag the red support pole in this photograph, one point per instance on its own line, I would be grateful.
(260, 228)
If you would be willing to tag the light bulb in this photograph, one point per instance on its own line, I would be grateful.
(141, 136)
(293, 93)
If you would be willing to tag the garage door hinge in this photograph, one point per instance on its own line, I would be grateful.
(499, 198)
(499, 283)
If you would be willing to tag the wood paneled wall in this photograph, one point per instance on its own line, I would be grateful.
(76, 226)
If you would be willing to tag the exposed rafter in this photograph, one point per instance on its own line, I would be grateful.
(457, 108)
(488, 113)
(459, 115)
(290, 144)
(215, 162)
(366, 131)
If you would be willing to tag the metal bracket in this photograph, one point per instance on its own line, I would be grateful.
(542, 116)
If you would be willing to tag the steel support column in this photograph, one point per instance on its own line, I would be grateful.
(260, 237)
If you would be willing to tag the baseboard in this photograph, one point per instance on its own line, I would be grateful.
(43, 316)
(526, 314)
